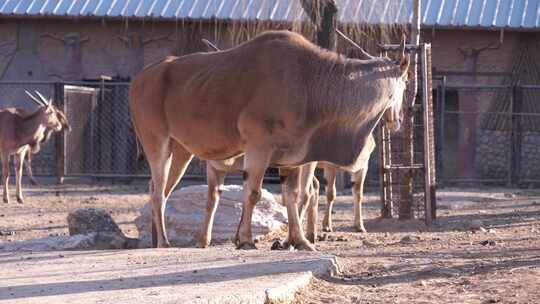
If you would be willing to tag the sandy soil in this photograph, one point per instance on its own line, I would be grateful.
(46, 208)
(404, 262)
(395, 262)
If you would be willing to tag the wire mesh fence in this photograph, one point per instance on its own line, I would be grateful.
(102, 141)
(489, 134)
(485, 134)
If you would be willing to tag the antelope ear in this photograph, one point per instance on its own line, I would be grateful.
(45, 101)
(404, 59)
(49, 107)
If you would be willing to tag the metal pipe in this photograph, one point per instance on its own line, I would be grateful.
(406, 194)
(427, 122)
(442, 108)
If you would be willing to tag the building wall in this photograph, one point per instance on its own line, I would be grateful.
(481, 145)
(72, 50)
(77, 49)
(54, 50)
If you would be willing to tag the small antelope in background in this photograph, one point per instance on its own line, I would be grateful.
(27, 155)
(22, 132)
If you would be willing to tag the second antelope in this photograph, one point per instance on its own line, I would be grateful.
(22, 132)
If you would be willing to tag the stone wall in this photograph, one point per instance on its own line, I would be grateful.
(530, 155)
(492, 154)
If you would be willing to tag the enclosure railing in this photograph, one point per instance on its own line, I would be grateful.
(487, 134)
(102, 142)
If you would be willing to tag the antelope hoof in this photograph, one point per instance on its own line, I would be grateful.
(304, 245)
(165, 244)
(202, 244)
(278, 245)
(360, 228)
(20, 200)
(6, 200)
(246, 246)
(311, 237)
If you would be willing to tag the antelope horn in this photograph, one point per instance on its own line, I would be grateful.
(402, 46)
(34, 99)
(349, 40)
(42, 98)
(210, 45)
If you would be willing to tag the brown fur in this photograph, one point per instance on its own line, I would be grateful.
(27, 154)
(21, 134)
(215, 105)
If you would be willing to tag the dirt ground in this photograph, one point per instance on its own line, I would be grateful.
(454, 261)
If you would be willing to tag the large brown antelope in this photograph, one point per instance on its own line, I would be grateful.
(277, 99)
(22, 132)
(216, 171)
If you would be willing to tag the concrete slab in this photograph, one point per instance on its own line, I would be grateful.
(175, 275)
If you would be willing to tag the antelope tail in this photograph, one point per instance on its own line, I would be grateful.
(140, 153)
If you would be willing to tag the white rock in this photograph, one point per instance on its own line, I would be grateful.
(185, 210)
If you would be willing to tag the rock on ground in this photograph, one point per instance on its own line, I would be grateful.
(90, 220)
(98, 230)
(185, 210)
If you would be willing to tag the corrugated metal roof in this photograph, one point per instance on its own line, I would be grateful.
(511, 14)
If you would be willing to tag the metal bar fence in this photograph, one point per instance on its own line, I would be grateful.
(501, 123)
(505, 118)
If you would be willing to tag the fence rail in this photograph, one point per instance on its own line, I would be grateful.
(504, 119)
(488, 133)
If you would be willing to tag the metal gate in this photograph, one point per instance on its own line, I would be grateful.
(78, 147)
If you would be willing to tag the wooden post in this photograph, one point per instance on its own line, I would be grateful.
(327, 38)
(406, 192)
(517, 130)
(440, 135)
(326, 34)
(60, 136)
(323, 14)
(515, 135)
(385, 174)
(426, 91)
